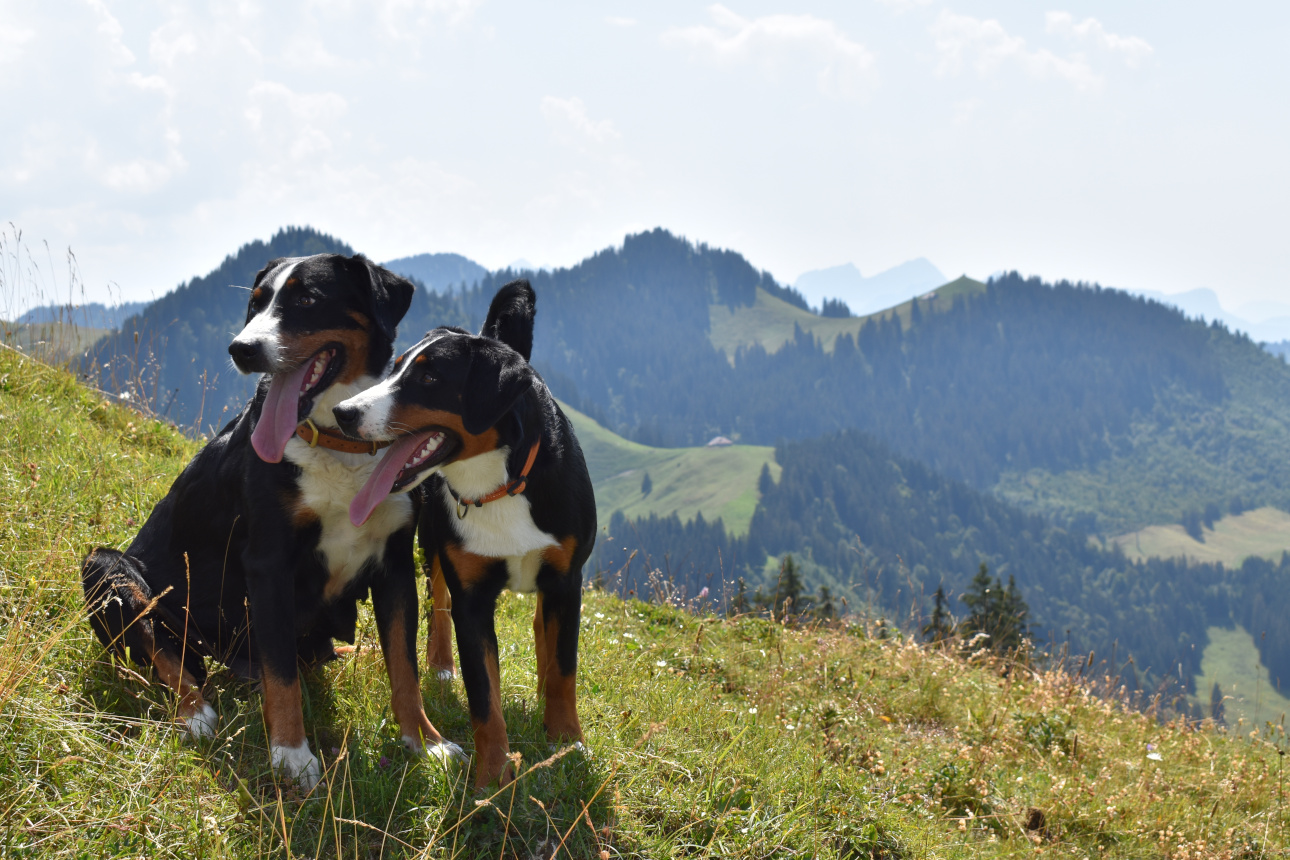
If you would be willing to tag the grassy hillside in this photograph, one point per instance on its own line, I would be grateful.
(719, 482)
(1264, 532)
(770, 321)
(708, 736)
(1250, 698)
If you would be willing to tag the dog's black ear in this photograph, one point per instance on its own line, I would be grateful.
(390, 296)
(510, 317)
(495, 382)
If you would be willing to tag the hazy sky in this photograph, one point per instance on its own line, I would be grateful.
(1140, 143)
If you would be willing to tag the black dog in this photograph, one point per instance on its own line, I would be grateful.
(251, 557)
(510, 505)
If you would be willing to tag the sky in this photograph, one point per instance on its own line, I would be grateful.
(1141, 143)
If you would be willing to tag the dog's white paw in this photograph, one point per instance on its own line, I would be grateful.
(203, 723)
(296, 763)
(577, 745)
(444, 751)
(444, 674)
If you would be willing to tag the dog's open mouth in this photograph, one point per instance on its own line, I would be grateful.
(324, 366)
(400, 467)
(290, 399)
(437, 447)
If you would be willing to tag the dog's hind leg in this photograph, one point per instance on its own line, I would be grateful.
(121, 607)
(555, 629)
(439, 644)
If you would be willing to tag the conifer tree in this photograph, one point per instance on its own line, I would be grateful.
(939, 628)
(789, 588)
(998, 612)
(1216, 705)
(647, 486)
(740, 604)
(978, 600)
(824, 608)
(765, 483)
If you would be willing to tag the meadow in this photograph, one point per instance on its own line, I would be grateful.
(1264, 532)
(719, 482)
(707, 735)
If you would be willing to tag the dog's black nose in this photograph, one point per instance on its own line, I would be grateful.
(246, 354)
(347, 417)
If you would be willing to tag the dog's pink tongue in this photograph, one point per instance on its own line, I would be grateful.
(279, 415)
(378, 486)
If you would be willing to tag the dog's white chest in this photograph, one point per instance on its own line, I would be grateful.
(328, 482)
(500, 529)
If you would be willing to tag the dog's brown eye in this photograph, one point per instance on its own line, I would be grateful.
(427, 378)
(305, 301)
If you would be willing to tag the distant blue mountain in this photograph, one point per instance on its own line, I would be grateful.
(443, 273)
(868, 295)
(91, 315)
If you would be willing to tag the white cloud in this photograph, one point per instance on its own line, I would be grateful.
(404, 18)
(291, 123)
(1131, 48)
(308, 107)
(570, 115)
(169, 42)
(845, 67)
(308, 51)
(616, 21)
(111, 31)
(11, 41)
(985, 45)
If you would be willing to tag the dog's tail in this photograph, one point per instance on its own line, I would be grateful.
(131, 622)
(128, 617)
(120, 602)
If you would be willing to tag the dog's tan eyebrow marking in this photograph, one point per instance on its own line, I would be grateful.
(257, 293)
(292, 281)
(420, 359)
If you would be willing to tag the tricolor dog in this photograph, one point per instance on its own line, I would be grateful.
(507, 504)
(251, 558)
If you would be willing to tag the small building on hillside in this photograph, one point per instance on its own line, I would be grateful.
(719, 442)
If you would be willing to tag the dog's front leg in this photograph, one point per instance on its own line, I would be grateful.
(394, 602)
(472, 615)
(270, 589)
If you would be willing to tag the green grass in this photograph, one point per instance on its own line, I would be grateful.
(1231, 660)
(709, 737)
(719, 482)
(1263, 532)
(770, 321)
